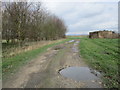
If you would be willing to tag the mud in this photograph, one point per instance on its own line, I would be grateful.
(42, 72)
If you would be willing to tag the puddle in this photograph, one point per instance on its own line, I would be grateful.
(71, 41)
(76, 43)
(75, 48)
(80, 73)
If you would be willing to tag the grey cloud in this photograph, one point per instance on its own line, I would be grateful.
(84, 17)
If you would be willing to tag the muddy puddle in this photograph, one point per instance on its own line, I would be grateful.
(76, 43)
(75, 48)
(80, 73)
(71, 41)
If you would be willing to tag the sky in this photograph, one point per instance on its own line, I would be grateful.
(84, 16)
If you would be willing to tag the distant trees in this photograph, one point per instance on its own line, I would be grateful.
(25, 21)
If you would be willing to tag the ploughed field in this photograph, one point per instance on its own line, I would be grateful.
(103, 55)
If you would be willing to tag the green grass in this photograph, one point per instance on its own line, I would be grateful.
(73, 37)
(11, 65)
(77, 37)
(103, 55)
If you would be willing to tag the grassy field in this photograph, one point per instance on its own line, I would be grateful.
(77, 37)
(11, 64)
(103, 55)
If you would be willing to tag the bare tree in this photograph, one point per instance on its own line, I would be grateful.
(31, 21)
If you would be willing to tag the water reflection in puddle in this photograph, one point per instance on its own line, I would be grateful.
(75, 48)
(79, 73)
(71, 41)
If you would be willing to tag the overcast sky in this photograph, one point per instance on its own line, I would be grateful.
(83, 17)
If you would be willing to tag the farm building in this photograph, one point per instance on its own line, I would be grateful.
(103, 34)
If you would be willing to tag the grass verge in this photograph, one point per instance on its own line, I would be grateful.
(103, 55)
(11, 65)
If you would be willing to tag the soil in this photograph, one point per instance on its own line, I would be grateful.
(43, 72)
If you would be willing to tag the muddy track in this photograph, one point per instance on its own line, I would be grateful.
(43, 72)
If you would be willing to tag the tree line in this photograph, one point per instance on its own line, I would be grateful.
(29, 21)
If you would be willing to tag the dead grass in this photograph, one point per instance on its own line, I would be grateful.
(27, 47)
